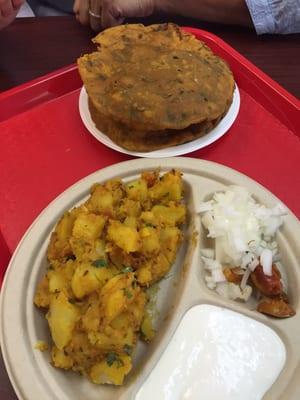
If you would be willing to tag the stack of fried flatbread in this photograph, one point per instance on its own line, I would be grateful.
(151, 87)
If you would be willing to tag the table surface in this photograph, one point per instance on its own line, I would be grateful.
(32, 47)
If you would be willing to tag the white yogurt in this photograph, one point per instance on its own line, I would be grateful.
(216, 354)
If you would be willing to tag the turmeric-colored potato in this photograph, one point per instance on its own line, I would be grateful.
(57, 281)
(60, 359)
(113, 339)
(150, 240)
(127, 238)
(169, 187)
(169, 238)
(105, 197)
(88, 226)
(88, 250)
(131, 222)
(59, 246)
(144, 275)
(42, 294)
(129, 208)
(117, 294)
(137, 190)
(103, 255)
(169, 215)
(89, 277)
(62, 317)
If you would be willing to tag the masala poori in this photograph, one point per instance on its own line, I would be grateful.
(151, 87)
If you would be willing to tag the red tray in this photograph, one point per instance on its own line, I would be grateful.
(45, 147)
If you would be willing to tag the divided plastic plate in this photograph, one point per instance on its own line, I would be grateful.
(22, 325)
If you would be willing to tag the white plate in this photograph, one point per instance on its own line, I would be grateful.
(22, 324)
(215, 134)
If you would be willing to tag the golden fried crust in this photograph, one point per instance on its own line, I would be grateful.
(145, 141)
(156, 78)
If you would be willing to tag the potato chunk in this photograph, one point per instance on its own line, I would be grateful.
(137, 190)
(88, 226)
(126, 237)
(168, 187)
(150, 240)
(57, 281)
(62, 317)
(101, 201)
(42, 295)
(88, 277)
(60, 359)
(59, 246)
(117, 294)
(169, 215)
(169, 238)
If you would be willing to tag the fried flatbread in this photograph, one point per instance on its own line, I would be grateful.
(156, 78)
(142, 141)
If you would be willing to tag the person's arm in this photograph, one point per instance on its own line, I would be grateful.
(223, 11)
(267, 16)
(275, 16)
(114, 12)
(8, 11)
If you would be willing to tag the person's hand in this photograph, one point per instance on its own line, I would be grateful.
(81, 11)
(115, 12)
(220, 11)
(8, 11)
(112, 12)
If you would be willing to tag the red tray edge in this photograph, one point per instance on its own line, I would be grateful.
(38, 91)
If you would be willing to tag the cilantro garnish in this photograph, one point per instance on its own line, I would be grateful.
(126, 269)
(149, 225)
(127, 349)
(99, 263)
(112, 357)
(127, 293)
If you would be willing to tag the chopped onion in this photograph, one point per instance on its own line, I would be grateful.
(244, 236)
(245, 278)
(266, 259)
(232, 291)
(217, 275)
(210, 283)
(279, 210)
(273, 245)
(253, 264)
(247, 259)
(208, 253)
(211, 264)
(276, 257)
(204, 206)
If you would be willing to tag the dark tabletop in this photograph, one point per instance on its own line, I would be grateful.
(32, 47)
